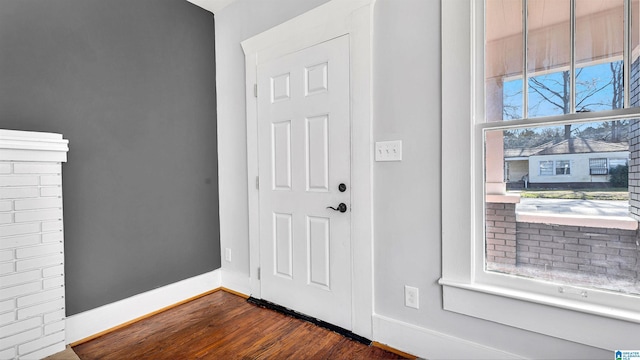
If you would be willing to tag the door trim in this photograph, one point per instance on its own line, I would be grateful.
(331, 20)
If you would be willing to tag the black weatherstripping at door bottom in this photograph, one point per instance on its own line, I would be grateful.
(281, 309)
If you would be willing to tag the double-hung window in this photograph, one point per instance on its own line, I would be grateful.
(555, 81)
(546, 167)
(563, 167)
(598, 166)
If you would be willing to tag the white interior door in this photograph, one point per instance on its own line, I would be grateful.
(304, 155)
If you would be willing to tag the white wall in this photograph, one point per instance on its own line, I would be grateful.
(407, 195)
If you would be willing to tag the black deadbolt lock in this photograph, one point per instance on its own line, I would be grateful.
(342, 187)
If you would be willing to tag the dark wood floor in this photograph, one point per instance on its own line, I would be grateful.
(224, 326)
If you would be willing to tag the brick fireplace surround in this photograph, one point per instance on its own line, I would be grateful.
(32, 290)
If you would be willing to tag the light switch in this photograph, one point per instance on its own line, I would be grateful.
(389, 150)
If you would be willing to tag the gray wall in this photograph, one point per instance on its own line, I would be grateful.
(131, 84)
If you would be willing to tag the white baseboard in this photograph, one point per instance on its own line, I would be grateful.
(94, 321)
(430, 344)
(236, 281)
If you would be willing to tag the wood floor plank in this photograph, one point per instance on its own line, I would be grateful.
(225, 326)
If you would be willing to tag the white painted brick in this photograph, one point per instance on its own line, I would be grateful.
(12, 180)
(52, 225)
(8, 353)
(53, 271)
(6, 205)
(53, 282)
(6, 218)
(18, 241)
(50, 180)
(39, 250)
(20, 278)
(38, 215)
(37, 168)
(54, 236)
(19, 229)
(24, 289)
(40, 308)
(21, 326)
(39, 203)
(51, 191)
(7, 317)
(7, 305)
(6, 268)
(18, 192)
(5, 167)
(54, 316)
(40, 297)
(20, 338)
(40, 343)
(6, 255)
(54, 327)
(39, 262)
(44, 352)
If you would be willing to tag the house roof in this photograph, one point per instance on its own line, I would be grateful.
(526, 152)
(568, 146)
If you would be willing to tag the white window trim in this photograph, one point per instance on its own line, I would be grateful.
(466, 290)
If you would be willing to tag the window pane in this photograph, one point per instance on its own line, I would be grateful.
(563, 172)
(503, 59)
(549, 94)
(548, 57)
(546, 168)
(598, 167)
(599, 51)
(563, 167)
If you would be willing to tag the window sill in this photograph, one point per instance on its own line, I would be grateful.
(609, 222)
(566, 318)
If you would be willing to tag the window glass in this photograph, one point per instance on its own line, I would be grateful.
(599, 50)
(559, 177)
(504, 64)
(546, 168)
(563, 167)
(548, 57)
(598, 167)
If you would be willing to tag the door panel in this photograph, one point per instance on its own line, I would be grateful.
(304, 155)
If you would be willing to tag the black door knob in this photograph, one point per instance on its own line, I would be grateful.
(342, 187)
(342, 207)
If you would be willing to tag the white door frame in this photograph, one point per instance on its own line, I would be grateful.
(331, 20)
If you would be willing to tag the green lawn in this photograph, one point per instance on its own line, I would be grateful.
(582, 194)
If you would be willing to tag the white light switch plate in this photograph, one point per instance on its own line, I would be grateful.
(389, 150)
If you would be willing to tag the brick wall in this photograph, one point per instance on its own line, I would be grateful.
(32, 304)
(634, 143)
(634, 169)
(585, 249)
(501, 233)
(612, 252)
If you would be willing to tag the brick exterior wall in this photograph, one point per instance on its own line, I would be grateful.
(585, 249)
(634, 144)
(501, 233)
(32, 304)
(634, 169)
(589, 250)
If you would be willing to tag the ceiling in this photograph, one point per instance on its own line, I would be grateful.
(212, 5)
